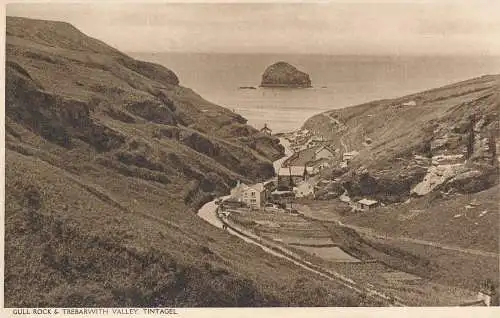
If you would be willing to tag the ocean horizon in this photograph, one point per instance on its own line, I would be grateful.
(338, 80)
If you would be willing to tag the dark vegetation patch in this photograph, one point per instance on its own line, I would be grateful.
(152, 111)
(120, 115)
(134, 171)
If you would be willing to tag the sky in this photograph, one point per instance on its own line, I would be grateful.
(458, 27)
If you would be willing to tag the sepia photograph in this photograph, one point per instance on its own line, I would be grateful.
(167, 155)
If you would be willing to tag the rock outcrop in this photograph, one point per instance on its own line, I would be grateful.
(282, 74)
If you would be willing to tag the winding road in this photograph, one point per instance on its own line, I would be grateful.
(208, 212)
(288, 153)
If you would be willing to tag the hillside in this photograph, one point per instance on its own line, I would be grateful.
(430, 158)
(107, 160)
(442, 139)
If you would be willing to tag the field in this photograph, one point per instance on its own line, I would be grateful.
(465, 221)
(384, 233)
(391, 269)
(334, 254)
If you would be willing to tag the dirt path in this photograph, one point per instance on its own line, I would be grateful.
(370, 232)
(343, 144)
(288, 153)
(341, 126)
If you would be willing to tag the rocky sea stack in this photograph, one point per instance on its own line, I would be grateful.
(282, 74)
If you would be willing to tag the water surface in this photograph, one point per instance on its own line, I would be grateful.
(338, 81)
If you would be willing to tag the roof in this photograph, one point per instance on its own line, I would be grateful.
(367, 202)
(410, 103)
(269, 182)
(276, 192)
(317, 138)
(292, 170)
(318, 162)
(327, 148)
(303, 156)
(352, 153)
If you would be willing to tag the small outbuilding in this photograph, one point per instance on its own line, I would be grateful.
(348, 156)
(365, 205)
(410, 103)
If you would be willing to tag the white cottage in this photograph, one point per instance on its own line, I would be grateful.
(254, 196)
(365, 205)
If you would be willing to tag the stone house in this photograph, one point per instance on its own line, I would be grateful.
(306, 156)
(269, 187)
(253, 196)
(289, 177)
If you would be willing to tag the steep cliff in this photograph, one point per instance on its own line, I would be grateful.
(107, 159)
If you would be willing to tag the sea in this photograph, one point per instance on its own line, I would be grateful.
(338, 81)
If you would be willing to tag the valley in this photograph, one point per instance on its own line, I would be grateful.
(368, 208)
(123, 188)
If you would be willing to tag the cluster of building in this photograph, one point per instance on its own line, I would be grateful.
(304, 139)
(297, 176)
(297, 172)
(312, 159)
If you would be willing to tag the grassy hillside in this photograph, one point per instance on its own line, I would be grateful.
(432, 159)
(107, 160)
(397, 139)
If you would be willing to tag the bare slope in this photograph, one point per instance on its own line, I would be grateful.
(107, 159)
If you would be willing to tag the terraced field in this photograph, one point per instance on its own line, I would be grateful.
(370, 265)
